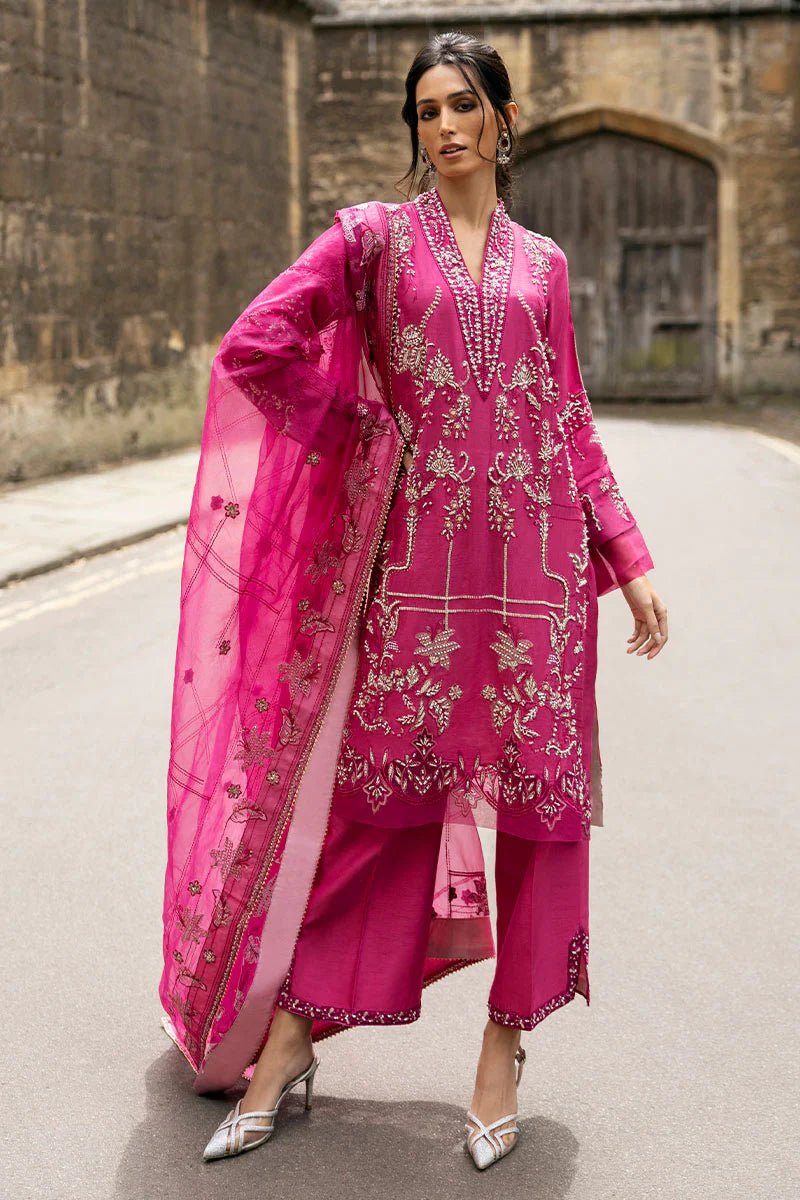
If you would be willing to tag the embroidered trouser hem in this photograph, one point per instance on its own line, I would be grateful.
(344, 1016)
(361, 956)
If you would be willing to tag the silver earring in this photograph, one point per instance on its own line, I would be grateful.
(429, 167)
(503, 151)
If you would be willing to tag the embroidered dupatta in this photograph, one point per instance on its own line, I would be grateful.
(299, 457)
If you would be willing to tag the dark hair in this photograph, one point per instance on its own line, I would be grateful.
(484, 64)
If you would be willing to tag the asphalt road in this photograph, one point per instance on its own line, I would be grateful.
(679, 1080)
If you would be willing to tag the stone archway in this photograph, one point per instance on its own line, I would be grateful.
(638, 220)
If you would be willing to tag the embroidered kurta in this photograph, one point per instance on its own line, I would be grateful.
(422, 640)
(474, 696)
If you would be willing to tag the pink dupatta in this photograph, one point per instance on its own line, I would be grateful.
(299, 458)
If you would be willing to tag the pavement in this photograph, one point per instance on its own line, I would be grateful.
(49, 524)
(678, 1081)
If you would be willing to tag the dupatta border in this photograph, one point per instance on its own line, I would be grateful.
(222, 1065)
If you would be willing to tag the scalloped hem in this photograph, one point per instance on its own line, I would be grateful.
(577, 984)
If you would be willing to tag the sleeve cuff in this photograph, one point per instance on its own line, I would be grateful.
(619, 560)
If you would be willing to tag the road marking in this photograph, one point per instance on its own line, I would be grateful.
(780, 445)
(73, 593)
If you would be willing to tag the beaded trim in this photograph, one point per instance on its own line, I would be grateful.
(342, 1016)
(481, 308)
(577, 947)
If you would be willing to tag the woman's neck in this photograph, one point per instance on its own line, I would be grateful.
(469, 201)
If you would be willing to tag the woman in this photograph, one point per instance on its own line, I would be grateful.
(402, 519)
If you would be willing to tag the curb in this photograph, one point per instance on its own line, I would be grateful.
(72, 556)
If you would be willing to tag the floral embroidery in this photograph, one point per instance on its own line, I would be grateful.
(478, 898)
(536, 705)
(189, 924)
(299, 673)
(437, 647)
(608, 485)
(323, 559)
(252, 747)
(511, 654)
(231, 860)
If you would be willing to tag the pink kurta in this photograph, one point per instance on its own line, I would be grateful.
(465, 692)
(474, 696)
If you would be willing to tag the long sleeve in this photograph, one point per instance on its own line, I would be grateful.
(274, 353)
(616, 546)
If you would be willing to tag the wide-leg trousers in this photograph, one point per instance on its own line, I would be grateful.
(360, 956)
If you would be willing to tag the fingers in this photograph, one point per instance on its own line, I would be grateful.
(650, 630)
(639, 635)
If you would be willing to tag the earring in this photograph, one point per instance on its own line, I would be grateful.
(503, 151)
(429, 167)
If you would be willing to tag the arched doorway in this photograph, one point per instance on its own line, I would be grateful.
(638, 223)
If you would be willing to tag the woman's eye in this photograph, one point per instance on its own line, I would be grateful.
(464, 106)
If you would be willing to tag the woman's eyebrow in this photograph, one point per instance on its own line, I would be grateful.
(452, 96)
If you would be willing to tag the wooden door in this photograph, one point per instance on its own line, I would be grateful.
(637, 222)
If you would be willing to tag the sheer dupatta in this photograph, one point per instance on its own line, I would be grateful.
(298, 460)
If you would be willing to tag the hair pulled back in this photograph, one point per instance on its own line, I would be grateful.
(479, 63)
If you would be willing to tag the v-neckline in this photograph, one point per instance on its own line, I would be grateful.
(479, 283)
(481, 306)
(492, 220)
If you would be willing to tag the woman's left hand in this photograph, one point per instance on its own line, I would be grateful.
(649, 615)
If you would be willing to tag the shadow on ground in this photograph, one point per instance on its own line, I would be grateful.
(357, 1148)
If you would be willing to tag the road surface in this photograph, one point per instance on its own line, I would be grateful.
(677, 1080)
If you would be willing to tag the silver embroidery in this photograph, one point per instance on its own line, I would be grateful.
(481, 308)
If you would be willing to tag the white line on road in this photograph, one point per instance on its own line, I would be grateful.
(780, 445)
(73, 593)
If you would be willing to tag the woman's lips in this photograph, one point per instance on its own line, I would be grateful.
(448, 153)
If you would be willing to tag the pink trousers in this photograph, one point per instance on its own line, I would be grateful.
(360, 956)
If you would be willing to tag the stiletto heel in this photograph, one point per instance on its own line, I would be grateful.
(309, 1089)
(486, 1144)
(228, 1139)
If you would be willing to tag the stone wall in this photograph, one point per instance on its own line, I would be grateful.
(151, 183)
(726, 88)
(162, 160)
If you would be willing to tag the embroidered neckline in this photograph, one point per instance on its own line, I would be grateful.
(481, 307)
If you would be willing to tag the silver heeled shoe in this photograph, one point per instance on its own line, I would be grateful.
(485, 1143)
(229, 1138)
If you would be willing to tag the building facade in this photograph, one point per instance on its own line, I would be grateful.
(163, 159)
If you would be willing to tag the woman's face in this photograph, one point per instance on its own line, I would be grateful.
(449, 111)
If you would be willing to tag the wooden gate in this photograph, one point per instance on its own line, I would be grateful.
(637, 222)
